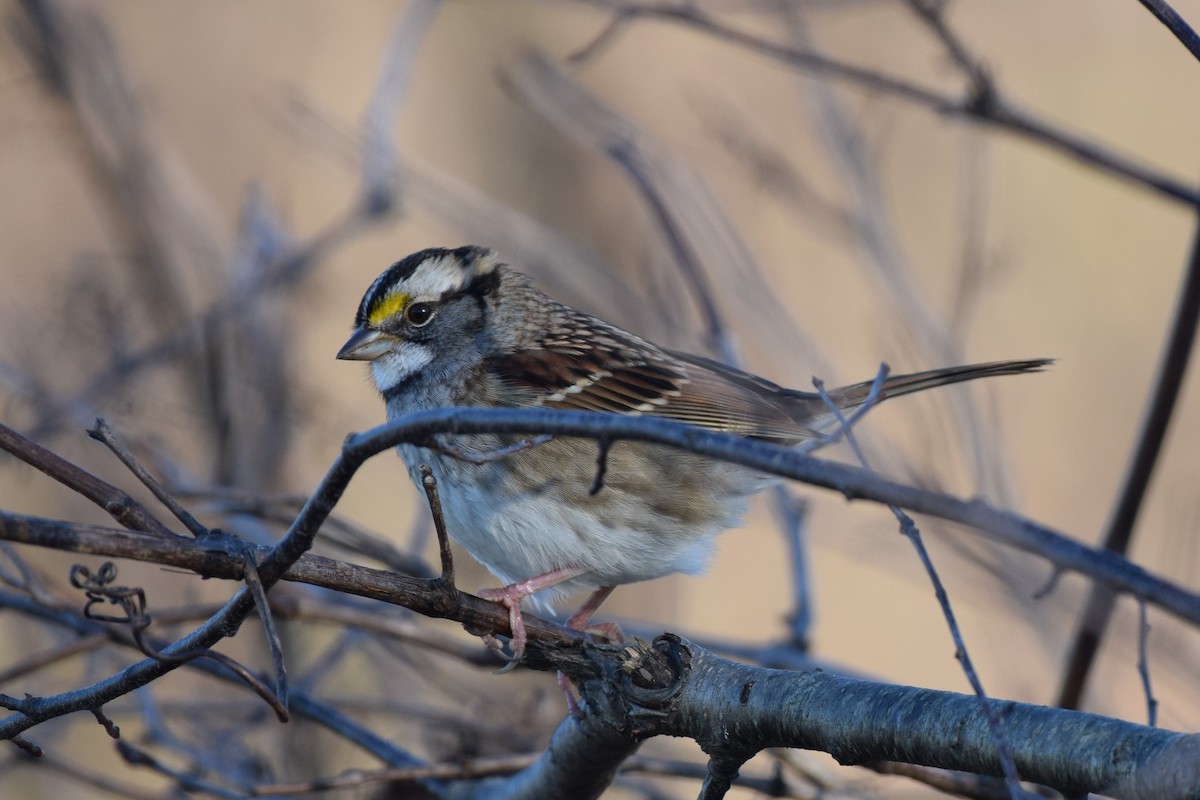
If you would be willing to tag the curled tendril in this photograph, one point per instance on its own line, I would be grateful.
(98, 589)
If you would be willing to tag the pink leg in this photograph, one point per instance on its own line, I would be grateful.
(512, 595)
(579, 621)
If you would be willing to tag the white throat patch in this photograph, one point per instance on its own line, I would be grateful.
(404, 361)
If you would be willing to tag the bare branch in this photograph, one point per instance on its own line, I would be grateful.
(1176, 24)
(1144, 665)
(103, 433)
(761, 708)
(378, 152)
(986, 109)
(119, 505)
(1160, 407)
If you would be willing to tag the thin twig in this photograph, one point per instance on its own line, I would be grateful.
(846, 424)
(1144, 665)
(109, 726)
(434, 498)
(101, 432)
(28, 581)
(268, 622)
(793, 513)
(932, 13)
(603, 446)
(601, 40)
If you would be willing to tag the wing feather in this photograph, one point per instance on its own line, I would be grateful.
(630, 376)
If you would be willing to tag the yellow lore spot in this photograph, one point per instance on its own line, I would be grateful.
(387, 306)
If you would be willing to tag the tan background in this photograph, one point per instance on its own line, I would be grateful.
(1086, 271)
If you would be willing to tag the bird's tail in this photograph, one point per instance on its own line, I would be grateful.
(854, 395)
(812, 413)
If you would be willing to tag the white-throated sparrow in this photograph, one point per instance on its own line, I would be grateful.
(459, 328)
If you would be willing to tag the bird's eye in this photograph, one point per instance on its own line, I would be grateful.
(418, 314)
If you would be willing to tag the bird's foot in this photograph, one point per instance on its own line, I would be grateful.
(511, 597)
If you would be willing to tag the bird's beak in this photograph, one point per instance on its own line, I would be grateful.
(366, 344)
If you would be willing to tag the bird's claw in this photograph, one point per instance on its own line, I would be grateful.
(510, 597)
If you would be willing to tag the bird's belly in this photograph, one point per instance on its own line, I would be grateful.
(654, 515)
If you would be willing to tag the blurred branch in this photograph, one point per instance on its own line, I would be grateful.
(933, 14)
(703, 242)
(69, 767)
(161, 211)
(886, 258)
(982, 104)
(1156, 421)
(549, 254)
(302, 703)
(378, 151)
(150, 199)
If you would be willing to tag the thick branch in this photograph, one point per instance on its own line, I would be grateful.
(580, 762)
(673, 687)
(860, 721)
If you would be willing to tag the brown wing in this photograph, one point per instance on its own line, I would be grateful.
(724, 398)
(606, 371)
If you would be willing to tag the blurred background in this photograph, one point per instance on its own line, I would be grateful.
(196, 195)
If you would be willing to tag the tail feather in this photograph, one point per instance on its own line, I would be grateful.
(854, 395)
(812, 413)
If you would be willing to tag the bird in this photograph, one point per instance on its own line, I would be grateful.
(460, 328)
